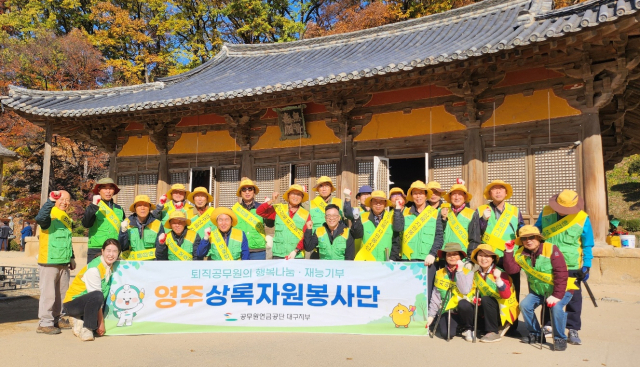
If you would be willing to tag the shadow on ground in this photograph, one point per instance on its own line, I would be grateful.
(18, 309)
(631, 193)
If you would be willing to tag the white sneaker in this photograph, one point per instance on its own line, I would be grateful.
(86, 335)
(548, 332)
(468, 335)
(77, 326)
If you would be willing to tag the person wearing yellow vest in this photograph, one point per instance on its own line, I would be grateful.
(436, 194)
(379, 229)
(461, 224)
(363, 193)
(499, 223)
(565, 224)
(333, 240)
(139, 232)
(453, 282)
(249, 221)
(548, 278)
(224, 242)
(324, 187)
(396, 194)
(180, 243)
(423, 234)
(102, 217)
(497, 304)
(201, 214)
(55, 259)
(290, 221)
(85, 298)
(178, 194)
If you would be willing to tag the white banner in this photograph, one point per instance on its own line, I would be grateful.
(149, 297)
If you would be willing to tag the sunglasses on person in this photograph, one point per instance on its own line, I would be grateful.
(528, 238)
(247, 189)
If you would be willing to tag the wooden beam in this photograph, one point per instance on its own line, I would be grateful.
(473, 158)
(113, 168)
(163, 175)
(46, 163)
(595, 193)
(347, 167)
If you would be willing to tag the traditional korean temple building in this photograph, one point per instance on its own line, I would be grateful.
(503, 89)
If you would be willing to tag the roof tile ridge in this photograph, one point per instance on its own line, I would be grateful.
(576, 8)
(15, 91)
(218, 58)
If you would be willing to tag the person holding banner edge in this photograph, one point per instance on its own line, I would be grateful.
(290, 220)
(565, 223)
(200, 215)
(180, 243)
(102, 217)
(139, 232)
(333, 239)
(249, 221)
(423, 235)
(548, 279)
(499, 222)
(452, 283)
(379, 229)
(224, 242)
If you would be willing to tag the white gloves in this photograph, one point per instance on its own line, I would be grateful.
(95, 200)
(124, 225)
(207, 234)
(162, 238)
(163, 199)
(429, 260)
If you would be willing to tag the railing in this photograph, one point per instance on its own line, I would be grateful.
(14, 277)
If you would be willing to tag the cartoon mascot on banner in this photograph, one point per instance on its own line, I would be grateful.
(127, 300)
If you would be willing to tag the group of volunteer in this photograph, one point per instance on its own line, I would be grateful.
(474, 256)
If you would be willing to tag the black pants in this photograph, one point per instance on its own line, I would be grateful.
(92, 253)
(574, 307)
(490, 312)
(462, 317)
(86, 307)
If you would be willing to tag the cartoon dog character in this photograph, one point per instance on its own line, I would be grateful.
(127, 300)
(401, 315)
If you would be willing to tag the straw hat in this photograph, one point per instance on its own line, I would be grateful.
(246, 182)
(221, 210)
(105, 181)
(567, 202)
(295, 187)
(141, 199)
(486, 248)
(420, 186)
(377, 195)
(397, 190)
(452, 247)
(200, 190)
(321, 180)
(177, 214)
(178, 187)
(434, 186)
(460, 187)
(528, 231)
(487, 193)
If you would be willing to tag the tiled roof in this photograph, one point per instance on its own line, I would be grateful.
(248, 70)
(7, 154)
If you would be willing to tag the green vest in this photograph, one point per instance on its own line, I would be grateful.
(149, 236)
(187, 209)
(317, 213)
(386, 240)
(102, 229)
(55, 243)
(543, 265)
(328, 250)
(569, 242)
(256, 240)
(187, 244)
(79, 288)
(234, 245)
(422, 242)
(510, 233)
(284, 241)
(208, 224)
(464, 217)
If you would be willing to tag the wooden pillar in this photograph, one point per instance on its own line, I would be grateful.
(595, 192)
(113, 167)
(163, 174)
(246, 165)
(1, 175)
(473, 159)
(46, 163)
(348, 176)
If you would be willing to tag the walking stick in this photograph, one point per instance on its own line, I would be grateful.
(449, 327)
(542, 337)
(386, 254)
(553, 330)
(475, 317)
(446, 296)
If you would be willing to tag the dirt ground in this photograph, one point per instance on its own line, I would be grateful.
(610, 338)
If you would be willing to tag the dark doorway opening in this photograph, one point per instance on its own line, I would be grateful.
(200, 178)
(402, 172)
